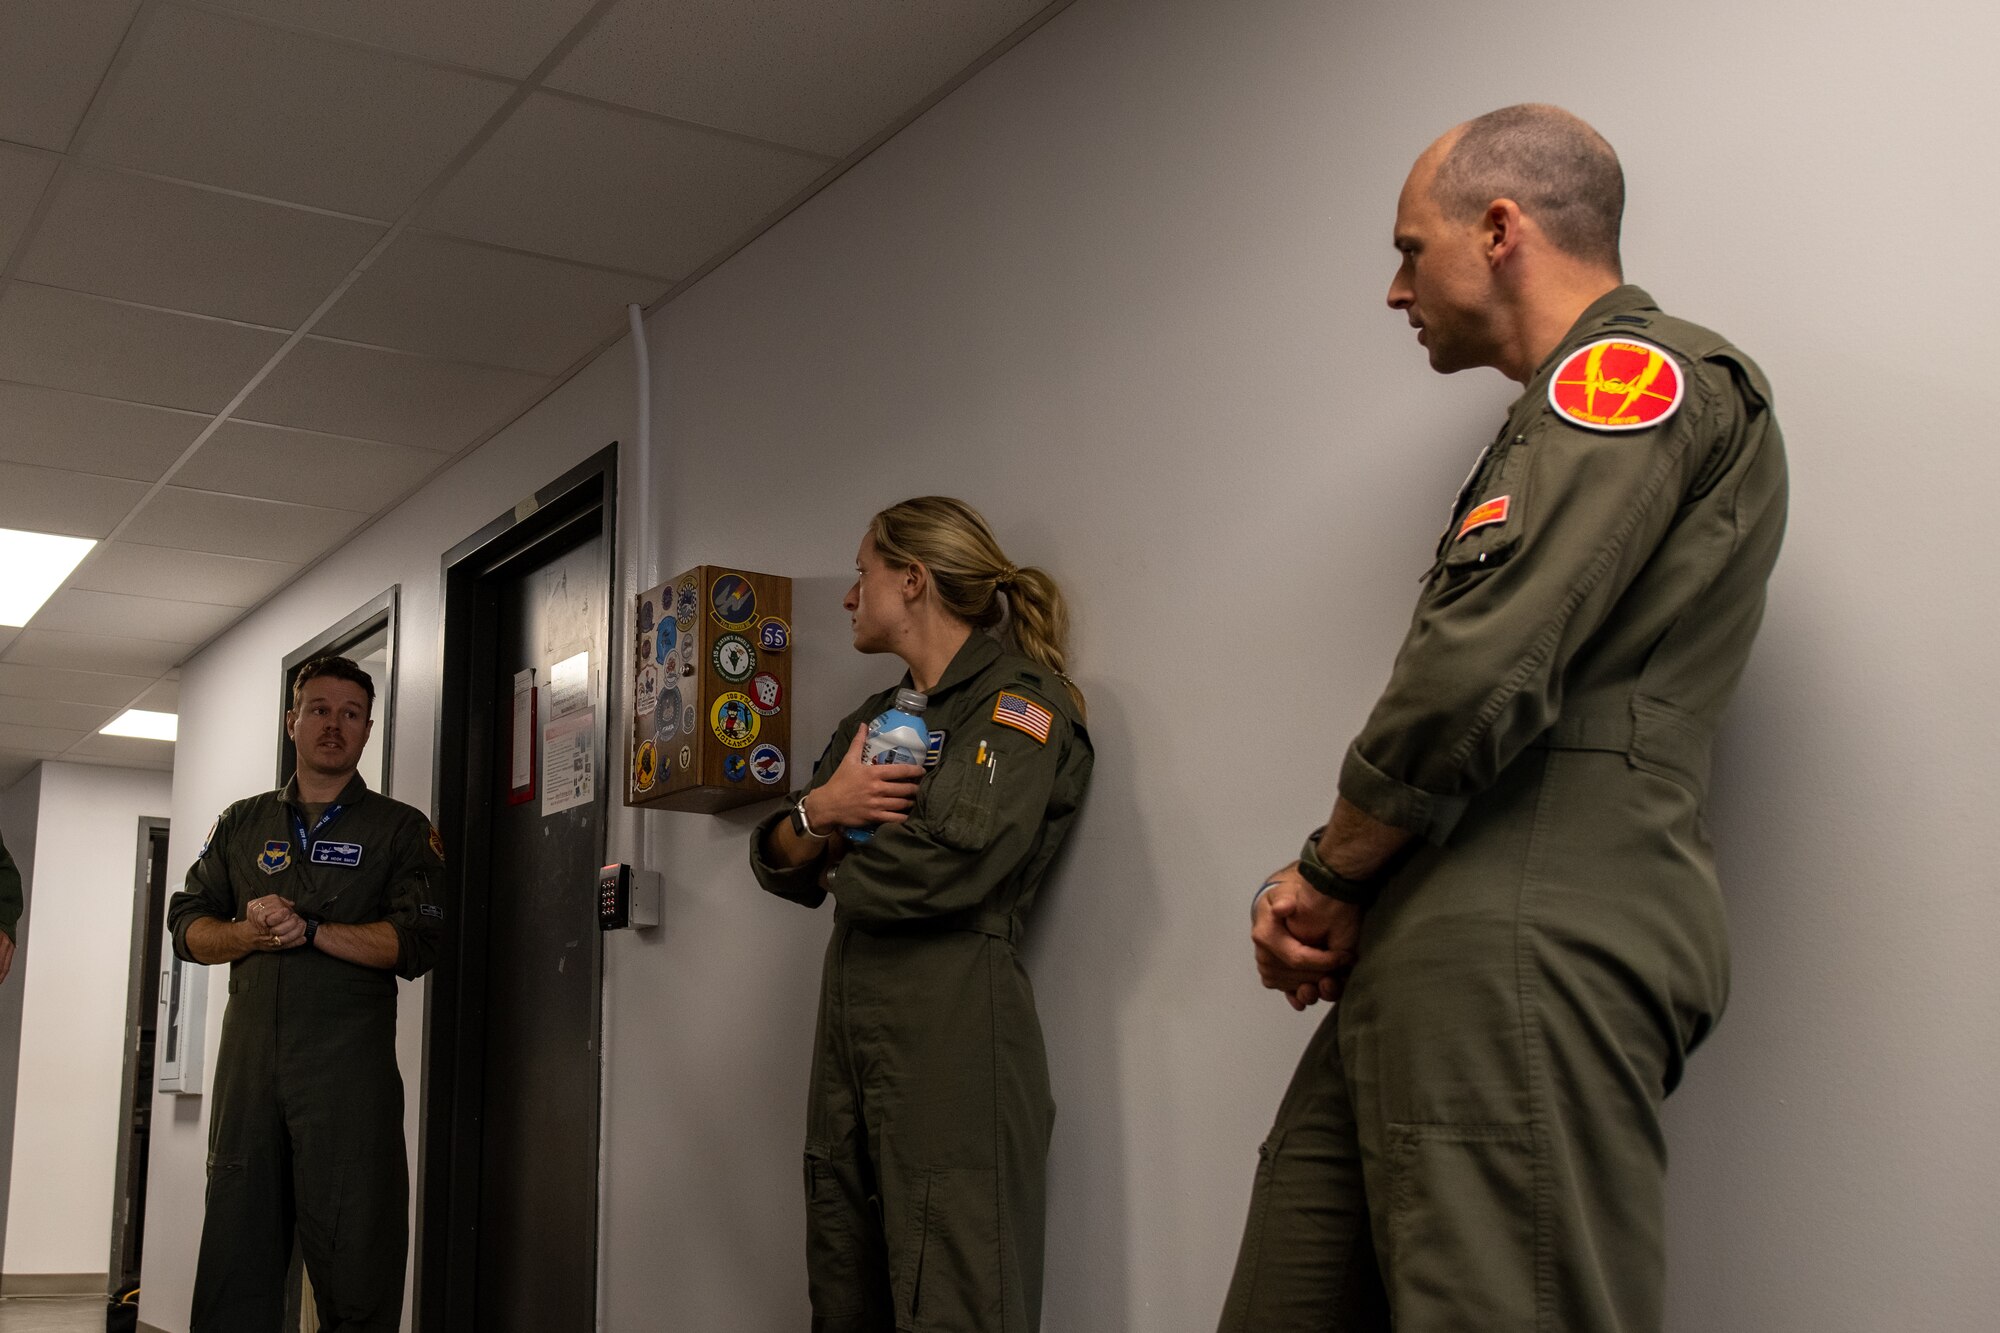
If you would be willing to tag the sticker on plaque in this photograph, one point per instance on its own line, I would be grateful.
(733, 602)
(672, 666)
(648, 689)
(735, 767)
(767, 764)
(687, 603)
(767, 696)
(734, 722)
(687, 718)
(773, 634)
(734, 658)
(687, 756)
(645, 615)
(646, 767)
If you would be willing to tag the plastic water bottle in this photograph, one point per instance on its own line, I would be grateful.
(898, 736)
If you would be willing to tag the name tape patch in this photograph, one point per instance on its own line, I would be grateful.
(1011, 710)
(1485, 515)
(326, 853)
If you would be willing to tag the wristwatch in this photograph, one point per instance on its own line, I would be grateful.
(1323, 877)
(312, 929)
(801, 825)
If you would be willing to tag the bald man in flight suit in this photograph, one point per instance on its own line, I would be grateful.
(1514, 901)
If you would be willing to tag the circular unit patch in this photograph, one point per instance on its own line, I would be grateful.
(734, 767)
(1617, 384)
(648, 688)
(767, 696)
(734, 722)
(773, 634)
(673, 664)
(734, 658)
(687, 756)
(669, 635)
(645, 615)
(733, 602)
(767, 764)
(687, 718)
(646, 767)
(687, 603)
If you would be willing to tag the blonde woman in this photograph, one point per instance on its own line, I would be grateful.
(929, 1114)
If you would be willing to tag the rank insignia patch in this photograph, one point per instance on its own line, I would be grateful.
(935, 751)
(275, 857)
(1011, 710)
(1485, 515)
(1617, 384)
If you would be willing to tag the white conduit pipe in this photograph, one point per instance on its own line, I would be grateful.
(647, 566)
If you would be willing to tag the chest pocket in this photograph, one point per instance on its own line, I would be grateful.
(957, 804)
(1486, 529)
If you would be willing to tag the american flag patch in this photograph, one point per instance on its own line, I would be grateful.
(1023, 715)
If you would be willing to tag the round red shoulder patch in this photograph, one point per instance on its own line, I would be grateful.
(1617, 384)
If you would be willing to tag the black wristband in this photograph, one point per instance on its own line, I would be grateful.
(312, 929)
(1327, 880)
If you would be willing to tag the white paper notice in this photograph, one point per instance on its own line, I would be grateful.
(569, 686)
(569, 761)
(524, 731)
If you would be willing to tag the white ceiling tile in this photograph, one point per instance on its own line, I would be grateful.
(365, 393)
(81, 611)
(82, 687)
(113, 654)
(163, 697)
(212, 98)
(7, 633)
(17, 711)
(302, 467)
(52, 55)
(197, 576)
(191, 249)
(827, 76)
(507, 36)
(55, 428)
(236, 525)
(123, 751)
(451, 298)
(42, 741)
(68, 341)
(46, 499)
(23, 173)
(597, 185)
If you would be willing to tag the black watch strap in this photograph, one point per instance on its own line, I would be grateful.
(312, 929)
(1323, 877)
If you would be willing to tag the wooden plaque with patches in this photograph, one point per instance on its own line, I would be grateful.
(711, 691)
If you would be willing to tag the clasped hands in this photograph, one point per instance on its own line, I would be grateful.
(275, 924)
(1306, 943)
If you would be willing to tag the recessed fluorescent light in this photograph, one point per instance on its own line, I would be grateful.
(147, 726)
(32, 566)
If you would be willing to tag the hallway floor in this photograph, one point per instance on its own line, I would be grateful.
(52, 1314)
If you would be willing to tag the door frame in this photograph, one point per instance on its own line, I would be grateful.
(449, 1144)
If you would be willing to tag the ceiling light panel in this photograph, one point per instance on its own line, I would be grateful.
(32, 566)
(140, 724)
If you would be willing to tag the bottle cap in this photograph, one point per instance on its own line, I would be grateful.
(912, 701)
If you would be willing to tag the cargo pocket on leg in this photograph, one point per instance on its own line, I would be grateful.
(1463, 1249)
(836, 1280)
(949, 1278)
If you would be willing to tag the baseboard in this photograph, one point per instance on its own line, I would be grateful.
(55, 1284)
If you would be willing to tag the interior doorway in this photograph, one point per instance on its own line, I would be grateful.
(135, 1101)
(507, 1232)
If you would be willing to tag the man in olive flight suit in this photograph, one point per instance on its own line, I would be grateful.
(929, 1113)
(1516, 870)
(318, 896)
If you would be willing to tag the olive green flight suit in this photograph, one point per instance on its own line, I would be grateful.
(1472, 1139)
(928, 1118)
(10, 895)
(307, 1121)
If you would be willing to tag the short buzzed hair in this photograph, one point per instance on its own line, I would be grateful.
(1559, 170)
(340, 668)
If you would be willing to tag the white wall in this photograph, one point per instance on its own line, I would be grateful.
(75, 980)
(1123, 291)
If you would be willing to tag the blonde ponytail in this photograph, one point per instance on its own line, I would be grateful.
(974, 579)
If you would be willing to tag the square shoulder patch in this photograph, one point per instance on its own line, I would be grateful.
(1011, 710)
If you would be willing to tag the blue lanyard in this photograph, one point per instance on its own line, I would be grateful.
(299, 827)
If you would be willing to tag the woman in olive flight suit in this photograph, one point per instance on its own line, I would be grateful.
(929, 1115)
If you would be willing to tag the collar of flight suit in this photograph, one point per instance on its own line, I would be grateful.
(349, 795)
(1628, 299)
(973, 656)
